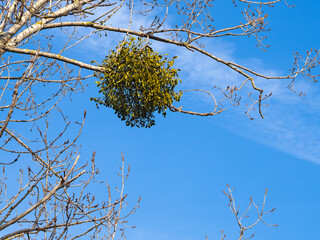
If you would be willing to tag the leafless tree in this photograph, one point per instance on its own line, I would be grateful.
(37, 75)
(240, 217)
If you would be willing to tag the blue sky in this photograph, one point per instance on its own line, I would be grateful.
(181, 166)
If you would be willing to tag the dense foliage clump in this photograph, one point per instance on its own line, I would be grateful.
(137, 82)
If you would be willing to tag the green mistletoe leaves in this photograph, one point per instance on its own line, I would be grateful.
(137, 82)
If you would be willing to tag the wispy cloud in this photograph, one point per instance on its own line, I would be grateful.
(291, 124)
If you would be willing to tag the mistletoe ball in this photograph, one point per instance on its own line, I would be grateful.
(137, 82)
